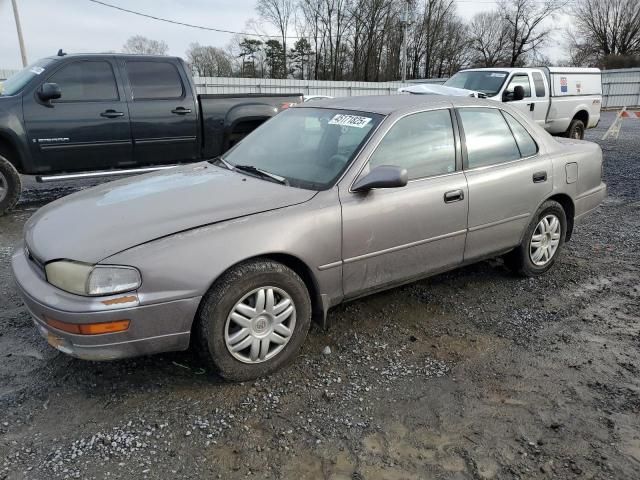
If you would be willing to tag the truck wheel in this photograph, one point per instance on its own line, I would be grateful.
(253, 320)
(541, 243)
(576, 130)
(10, 185)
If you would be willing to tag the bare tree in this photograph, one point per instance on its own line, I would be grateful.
(209, 61)
(606, 29)
(525, 21)
(488, 39)
(278, 13)
(144, 45)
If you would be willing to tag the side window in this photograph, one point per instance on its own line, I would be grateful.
(423, 143)
(526, 143)
(90, 81)
(539, 84)
(523, 81)
(488, 137)
(154, 80)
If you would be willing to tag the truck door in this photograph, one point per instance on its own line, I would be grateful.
(527, 104)
(164, 117)
(541, 99)
(88, 127)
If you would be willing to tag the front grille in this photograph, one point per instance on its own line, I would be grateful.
(36, 262)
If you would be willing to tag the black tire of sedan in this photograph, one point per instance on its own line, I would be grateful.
(253, 321)
(541, 243)
(10, 185)
(576, 130)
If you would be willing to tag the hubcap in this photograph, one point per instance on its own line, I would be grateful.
(545, 240)
(260, 325)
(4, 187)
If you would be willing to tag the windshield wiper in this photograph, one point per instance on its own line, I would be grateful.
(262, 173)
(219, 160)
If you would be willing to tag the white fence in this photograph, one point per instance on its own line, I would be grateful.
(619, 87)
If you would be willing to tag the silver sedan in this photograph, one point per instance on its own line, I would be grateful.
(324, 203)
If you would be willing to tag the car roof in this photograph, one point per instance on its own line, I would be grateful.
(111, 55)
(388, 104)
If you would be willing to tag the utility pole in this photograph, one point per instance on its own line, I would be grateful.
(23, 52)
(405, 24)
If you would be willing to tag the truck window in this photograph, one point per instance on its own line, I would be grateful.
(86, 81)
(523, 81)
(488, 137)
(539, 84)
(484, 81)
(154, 80)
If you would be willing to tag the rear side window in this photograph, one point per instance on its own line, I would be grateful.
(423, 143)
(526, 143)
(488, 138)
(86, 81)
(154, 80)
(538, 82)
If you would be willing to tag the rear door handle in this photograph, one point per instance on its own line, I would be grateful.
(111, 114)
(181, 110)
(539, 177)
(453, 196)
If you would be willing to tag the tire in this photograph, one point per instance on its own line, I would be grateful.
(576, 129)
(10, 185)
(231, 299)
(524, 260)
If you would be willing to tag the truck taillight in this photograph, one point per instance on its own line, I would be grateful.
(284, 106)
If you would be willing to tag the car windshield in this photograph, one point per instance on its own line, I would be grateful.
(16, 82)
(308, 147)
(484, 81)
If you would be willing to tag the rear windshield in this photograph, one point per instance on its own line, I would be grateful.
(310, 147)
(15, 83)
(487, 82)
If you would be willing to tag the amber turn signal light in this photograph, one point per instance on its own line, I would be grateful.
(89, 328)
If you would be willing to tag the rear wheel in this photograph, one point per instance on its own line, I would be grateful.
(541, 243)
(10, 185)
(576, 130)
(254, 320)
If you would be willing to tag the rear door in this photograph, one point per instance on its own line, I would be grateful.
(164, 119)
(393, 235)
(508, 178)
(88, 127)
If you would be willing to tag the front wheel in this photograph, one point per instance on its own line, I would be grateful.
(254, 320)
(541, 242)
(10, 185)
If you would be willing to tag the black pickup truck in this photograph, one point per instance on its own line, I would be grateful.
(102, 114)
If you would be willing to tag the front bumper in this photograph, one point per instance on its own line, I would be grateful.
(155, 328)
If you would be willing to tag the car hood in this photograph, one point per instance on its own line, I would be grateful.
(96, 223)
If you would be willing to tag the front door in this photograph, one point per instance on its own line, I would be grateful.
(87, 128)
(508, 179)
(528, 104)
(164, 120)
(394, 235)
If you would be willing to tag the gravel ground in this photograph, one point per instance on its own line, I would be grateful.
(467, 375)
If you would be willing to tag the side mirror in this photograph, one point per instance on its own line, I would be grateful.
(518, 92)
(48, 92)
(384, 176)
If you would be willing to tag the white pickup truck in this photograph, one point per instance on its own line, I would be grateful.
(565, 101)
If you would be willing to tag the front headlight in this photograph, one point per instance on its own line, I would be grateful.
(85, 279)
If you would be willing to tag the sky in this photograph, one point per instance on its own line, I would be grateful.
(82, 26)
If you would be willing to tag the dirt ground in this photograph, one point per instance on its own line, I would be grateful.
(468, 375)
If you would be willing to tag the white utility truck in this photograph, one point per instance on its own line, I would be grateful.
(565, 101)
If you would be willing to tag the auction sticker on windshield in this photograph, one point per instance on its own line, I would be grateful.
(349, 120)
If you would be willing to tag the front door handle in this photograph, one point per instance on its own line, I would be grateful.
(111, 114)
(453, 196)
(532, 106)
(539, 177)
(181, 110)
